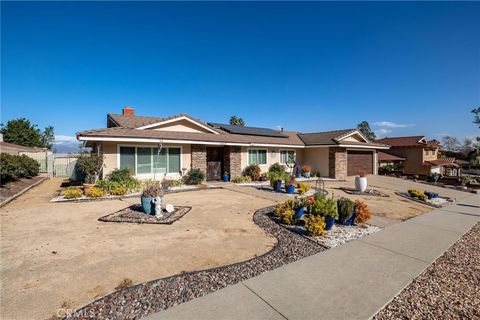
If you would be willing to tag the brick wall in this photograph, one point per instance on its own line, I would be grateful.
(337, 163)
(232, 160)
(199, 157)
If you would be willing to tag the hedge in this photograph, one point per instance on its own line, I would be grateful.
(13, 167)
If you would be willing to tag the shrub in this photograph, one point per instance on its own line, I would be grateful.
(286, 211)
(253, 171)
(73, 192)
(362, 214)
(276, 167)
(387, 169)
(414, 193)
(274, 176)
(194, 176)
(290, 180)
(315, 225)
(96, 193)
(303, 187)
(241, 179)
(306, 168)
(345, 209)
(330, 208)
(118, 191)
(119, 175)
(90, 165)
(13, 167)
(172, 182)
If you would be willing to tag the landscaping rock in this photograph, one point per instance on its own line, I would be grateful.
(134, 214)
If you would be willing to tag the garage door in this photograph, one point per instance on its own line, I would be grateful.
(358, 161)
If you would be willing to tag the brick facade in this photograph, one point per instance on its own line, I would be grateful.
(232, 160)
(199, 157)
(337, 163)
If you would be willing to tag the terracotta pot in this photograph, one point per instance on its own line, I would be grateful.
(87, 187)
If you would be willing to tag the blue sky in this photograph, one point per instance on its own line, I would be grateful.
(407, 68)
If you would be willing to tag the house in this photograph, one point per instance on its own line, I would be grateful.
(152, 146)
(15, 149)
(419, 155)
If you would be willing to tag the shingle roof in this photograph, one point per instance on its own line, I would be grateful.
(443, 162)
(290, 139)
(324, 138)
(383, 156)
(409, 141)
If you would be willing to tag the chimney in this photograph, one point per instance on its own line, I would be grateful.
(128, 111)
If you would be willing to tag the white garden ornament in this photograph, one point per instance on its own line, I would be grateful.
(158, 207)
(169, 207)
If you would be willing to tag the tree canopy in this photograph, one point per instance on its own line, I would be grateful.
(476, 117)
(237, 121)
(22, 132)
(450, 143)
(364, 128)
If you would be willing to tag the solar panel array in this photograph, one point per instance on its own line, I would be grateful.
(253, 131)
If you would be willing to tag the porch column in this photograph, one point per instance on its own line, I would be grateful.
(337, 163)
(199, 157)
(232, 160)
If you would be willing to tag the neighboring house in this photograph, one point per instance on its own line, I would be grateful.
(133, 142)
(386, 159)
(11, 148)
(420, 155)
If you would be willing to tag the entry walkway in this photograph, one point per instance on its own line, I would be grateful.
(353, 281)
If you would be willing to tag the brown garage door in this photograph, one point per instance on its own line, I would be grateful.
(358, 161)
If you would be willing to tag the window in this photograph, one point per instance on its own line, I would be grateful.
(146, 160)
(287, 156)
(426, 152)
(257, 156)
(433, 152)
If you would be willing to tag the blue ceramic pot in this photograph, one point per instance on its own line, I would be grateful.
(351, 220)
(306, 174)
(278, 185)
(329, 221)
(290, 189)
(226, 178)
(300, 213)
(148, 205)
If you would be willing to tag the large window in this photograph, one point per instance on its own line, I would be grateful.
(257, 156)
(146, 160)
(287, 156)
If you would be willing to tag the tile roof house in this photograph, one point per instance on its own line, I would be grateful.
(420, 156)
(152, 146)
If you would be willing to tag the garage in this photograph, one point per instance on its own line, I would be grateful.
(358, 161)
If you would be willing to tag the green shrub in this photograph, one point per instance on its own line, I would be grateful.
(253, 171)
(241, 179)
(90, 165)
(194, 176)
(303, 187)
(118, 191)
(73, 192)
(119, 175)
(96, 193)
(286, 211)
(345, 209)
(276, 167)
(315, 225)
(13, 167)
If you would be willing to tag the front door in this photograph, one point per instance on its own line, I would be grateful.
(214, 163)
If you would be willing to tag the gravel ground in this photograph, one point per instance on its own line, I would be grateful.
(138, 301)
(447, 289)
(134, 214)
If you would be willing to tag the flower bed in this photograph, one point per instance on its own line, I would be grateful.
(134, 214)
(427, 198)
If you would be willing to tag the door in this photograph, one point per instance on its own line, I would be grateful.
(358, 161)
(214, 163)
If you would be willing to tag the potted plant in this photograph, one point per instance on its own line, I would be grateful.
(301, 204)
(290, 185)
(91, 166)
(276, 179)
(165, 184)
(361, 182)
(330, 213)
(306, 170)
(152, 196)
(226, 177)
(346, 211)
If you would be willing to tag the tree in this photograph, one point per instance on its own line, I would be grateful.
(22, 132)
(476, 117)
(450, 143)
(364, 128)
(467, 146)
(237, 121)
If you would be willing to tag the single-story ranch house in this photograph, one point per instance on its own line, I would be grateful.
(133, 142)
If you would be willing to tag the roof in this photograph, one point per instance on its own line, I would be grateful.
(334, 138)
(267, 132)
(402, 141)
(291, 138)
(15, 148)
(383, 156)
(443, 162)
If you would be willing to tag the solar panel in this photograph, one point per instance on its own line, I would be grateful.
(253, 131)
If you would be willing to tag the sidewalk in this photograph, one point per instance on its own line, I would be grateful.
(353, 281)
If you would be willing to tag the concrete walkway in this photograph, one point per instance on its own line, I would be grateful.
(353, 281)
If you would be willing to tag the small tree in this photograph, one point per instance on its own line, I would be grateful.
(365, 129)
(237, 121)
(91, 165)
(22, 132)
(450, 143)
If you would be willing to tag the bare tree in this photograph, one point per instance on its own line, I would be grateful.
(450, 143)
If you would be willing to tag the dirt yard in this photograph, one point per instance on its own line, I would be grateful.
(57, 255)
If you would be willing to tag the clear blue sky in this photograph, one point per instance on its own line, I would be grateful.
(305, 66)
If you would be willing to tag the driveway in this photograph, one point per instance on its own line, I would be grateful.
(57, 255)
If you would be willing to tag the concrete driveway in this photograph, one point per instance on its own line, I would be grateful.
(57, 255)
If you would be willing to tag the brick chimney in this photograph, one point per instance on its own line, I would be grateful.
(128, 111)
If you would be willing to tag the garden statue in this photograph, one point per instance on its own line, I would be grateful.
(158, 207)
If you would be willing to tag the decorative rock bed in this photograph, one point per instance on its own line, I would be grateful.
(310, 192)
(368, 192)
(134, 214)
(143, 299)
(435, 202)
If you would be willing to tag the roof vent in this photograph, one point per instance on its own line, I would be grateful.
(128, 111)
